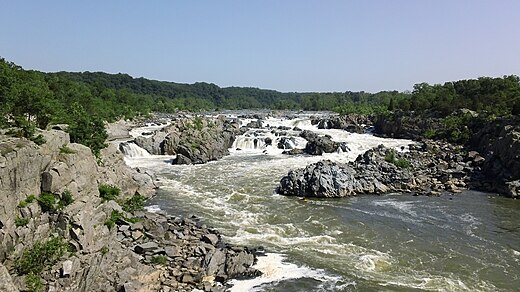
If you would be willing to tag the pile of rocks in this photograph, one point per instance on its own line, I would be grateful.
(428, 168)
(188, 254)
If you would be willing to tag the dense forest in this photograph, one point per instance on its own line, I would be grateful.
(31, 99)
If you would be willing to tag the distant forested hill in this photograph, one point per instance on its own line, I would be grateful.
(30, 99)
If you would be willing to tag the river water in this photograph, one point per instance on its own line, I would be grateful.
(397, 242)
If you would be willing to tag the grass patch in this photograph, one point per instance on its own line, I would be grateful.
(20, 221)
(66, 150)
(135, 203)
(65, 199)
(33, 283)
(114, 217)
(401, 162)
(41, 255)
(108, 192)
(47, 202)
(28, 200)
(159, 260)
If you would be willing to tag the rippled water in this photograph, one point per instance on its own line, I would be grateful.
(397, 242)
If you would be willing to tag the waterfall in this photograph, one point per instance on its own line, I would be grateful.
(244, 142)
(130, 149)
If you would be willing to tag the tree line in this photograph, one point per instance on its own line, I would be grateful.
(31, 99)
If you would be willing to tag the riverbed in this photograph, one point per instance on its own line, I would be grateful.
(396, 242)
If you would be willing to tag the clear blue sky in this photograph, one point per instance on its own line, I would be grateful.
(287, 45)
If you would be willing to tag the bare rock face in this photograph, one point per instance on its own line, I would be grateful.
(196, 140)
(425, 169)
(317, 145)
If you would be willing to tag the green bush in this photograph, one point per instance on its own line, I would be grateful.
(21, 221)
(47, 202)
(108, 192)
(41, 255)
(135, 203)
(114, 217)
(401, 162)
(159, 260)
(39, 140)
(22, 204)
(33, 283)
(65, 199)
(30, 199)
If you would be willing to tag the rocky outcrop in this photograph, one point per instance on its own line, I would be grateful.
(429, 168)
(354, 123)
(500, 141)
(195, 140)
(317, 145)
(105, 258)
(405, 125)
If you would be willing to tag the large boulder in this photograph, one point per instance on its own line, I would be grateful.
(317, 145)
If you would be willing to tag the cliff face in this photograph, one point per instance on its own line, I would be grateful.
(57, 167)
(109, 248)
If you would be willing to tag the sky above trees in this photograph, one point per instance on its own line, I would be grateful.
(289, 45)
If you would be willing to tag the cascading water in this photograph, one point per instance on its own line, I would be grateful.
(397, 242)
(132, 150)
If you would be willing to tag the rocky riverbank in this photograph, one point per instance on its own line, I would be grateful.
(496, 139)
(72, 222)
(427, 168)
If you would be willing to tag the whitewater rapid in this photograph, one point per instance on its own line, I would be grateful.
(373, 243)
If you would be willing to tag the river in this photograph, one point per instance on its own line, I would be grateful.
(397, 242)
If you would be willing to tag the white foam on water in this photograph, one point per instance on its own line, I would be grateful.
(153, 208)
(132, 150)
(275, 269)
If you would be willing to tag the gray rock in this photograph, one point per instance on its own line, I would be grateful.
(66, 268)
(146, 247)
(210, 238)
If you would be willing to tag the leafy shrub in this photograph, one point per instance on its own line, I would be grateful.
(33, 283)
(159, 260)
(27, 201)
(30, 199)
(47, 202)
(22, 204)
(65, 199)
(108, 192)
(135, 203)
(40, 255)
(21, 221)
(39, 140)
(401, 163)
(114, 217)
(66, 150)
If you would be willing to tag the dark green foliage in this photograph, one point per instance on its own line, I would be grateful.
(159, 260)
(20, 221)
(399, 162)
(40, 255)
(108, 192)
(65, 199)
(22, 204)
(47, 202)
(114, 217)
(135, 203)
(30, 199)
(33, 283)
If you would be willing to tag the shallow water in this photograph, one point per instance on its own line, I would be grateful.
(397, 242)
